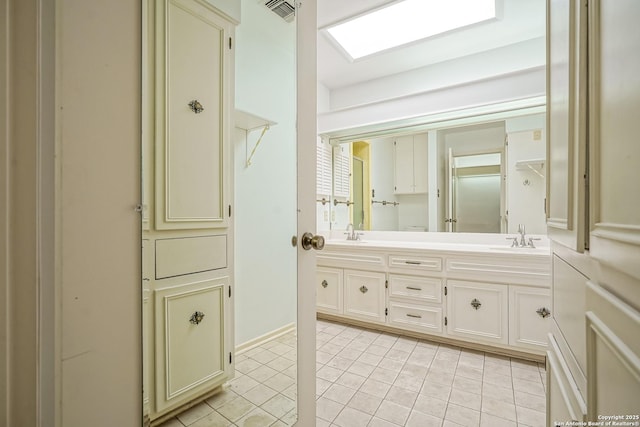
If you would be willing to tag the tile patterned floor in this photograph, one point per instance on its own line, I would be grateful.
(373, 379)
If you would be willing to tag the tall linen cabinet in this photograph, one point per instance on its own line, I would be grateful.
(593, 210)
(187, 203)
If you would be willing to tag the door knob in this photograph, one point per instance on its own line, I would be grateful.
(312, 241)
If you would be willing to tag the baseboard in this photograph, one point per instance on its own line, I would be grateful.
(540, 358)
(269, 336)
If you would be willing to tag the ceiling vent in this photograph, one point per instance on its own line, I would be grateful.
(282, 8)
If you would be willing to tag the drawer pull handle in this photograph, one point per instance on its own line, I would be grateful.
(196, 107)
(543, 312)
(414, 288)
(363, 289)
(414, 316)
(196, 317)
(413, 262)
(475, 303)
(324, 284)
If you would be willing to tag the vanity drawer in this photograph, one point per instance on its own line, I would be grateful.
(415, 262)
(421, 318)
(423, 289)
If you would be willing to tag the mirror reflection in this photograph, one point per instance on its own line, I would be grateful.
(485, 177)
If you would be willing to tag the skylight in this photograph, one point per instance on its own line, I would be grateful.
(408, 21)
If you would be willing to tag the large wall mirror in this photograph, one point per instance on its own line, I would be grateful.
(483, 175)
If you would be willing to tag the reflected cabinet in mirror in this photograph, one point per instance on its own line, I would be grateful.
(219, 336)
(485, 177)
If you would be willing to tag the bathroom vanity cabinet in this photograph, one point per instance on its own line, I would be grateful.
(496, 300)
(187, 225)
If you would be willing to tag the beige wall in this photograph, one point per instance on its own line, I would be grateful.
(98, 231)
(19, 256)
(87, 327)
(4, 217)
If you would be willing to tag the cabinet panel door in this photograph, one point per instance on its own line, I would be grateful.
(477, 310)
(364, 295)
(420, 161)
(329, 290)
(614, 96)
(403, 165)
(613, 355)
(190, 351)
(566, 113)
(529, 317)
(564, 401)
(192, 116)
(568, 300)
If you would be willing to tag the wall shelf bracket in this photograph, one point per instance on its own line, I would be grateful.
(250, 122)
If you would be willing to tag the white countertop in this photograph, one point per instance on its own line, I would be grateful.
(449, 242)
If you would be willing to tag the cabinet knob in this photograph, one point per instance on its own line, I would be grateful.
(475, 303)
(363, 289)
(543, 312)
(324, 284)
(196, 107)
(196, 317)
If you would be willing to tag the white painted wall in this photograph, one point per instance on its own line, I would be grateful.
(413, 212)
(519, 85)
(229, 8)
(529, 54)
(265, 192)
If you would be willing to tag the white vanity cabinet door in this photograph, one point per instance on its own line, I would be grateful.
(329, 290)
(477, 311)
(529, 317)
(364, 296)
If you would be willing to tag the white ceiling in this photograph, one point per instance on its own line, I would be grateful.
(519, 20)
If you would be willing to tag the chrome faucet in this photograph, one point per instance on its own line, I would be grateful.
(522, 233)
(351, 233)
(521, 242)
